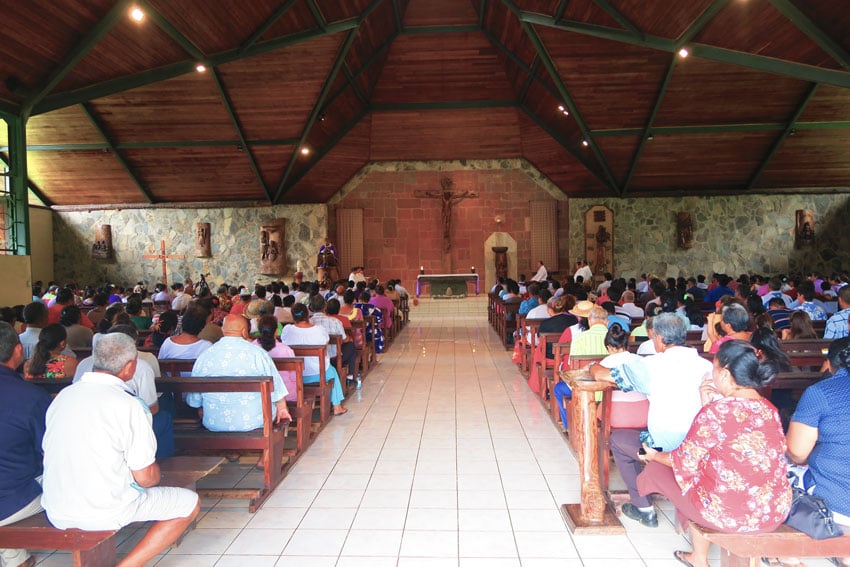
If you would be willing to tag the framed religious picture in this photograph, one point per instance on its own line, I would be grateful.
(599, 239)
(804, 229)
(102, 247)
(203, 244)
(272, 248)
(684, 230)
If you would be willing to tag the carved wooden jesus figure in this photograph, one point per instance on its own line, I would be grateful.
(448, 198)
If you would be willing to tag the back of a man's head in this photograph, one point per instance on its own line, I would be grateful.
(671, 328)
(776, 303)
(807, 290)
(64, 296)
(534, 288)
(35, 314)
(628, 296)
(234, 326)
(317, 304)
(774, 284)
(8, 340)
(333, 306)
(736, 317)
(112, 351)
(844, 296)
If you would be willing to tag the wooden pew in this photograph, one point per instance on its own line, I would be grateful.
(747, 549)
(336, 340)
(545, 368)
(508, 320)
(364, 359)
(301, 410)
(320, 390)
(270, 439)
(529, 329)
(98, 548)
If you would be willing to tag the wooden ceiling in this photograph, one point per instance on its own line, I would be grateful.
(118, 114)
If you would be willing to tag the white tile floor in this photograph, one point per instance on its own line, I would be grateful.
(446, 459)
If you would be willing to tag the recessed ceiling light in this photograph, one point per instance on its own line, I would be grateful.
(684, 52)
(305, 151)
(560, 108)
(566, 112)
(200, 67)
(137, 15)
(584, 143)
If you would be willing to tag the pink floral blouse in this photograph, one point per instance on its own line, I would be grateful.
(731, 465)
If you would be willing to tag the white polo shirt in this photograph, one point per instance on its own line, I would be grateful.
(143, 383)
(97, 433)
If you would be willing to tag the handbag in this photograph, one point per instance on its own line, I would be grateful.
(810, 515)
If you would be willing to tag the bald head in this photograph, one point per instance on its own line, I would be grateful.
(235, 326)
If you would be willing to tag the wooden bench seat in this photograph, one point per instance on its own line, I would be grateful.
(270, 440)
(746, 550)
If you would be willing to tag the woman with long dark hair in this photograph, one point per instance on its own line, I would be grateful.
(47, 360)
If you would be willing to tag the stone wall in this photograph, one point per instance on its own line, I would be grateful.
(135, 232)
(747, 233)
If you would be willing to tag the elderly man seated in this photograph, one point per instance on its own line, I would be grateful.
(671, 380)
(235, 355)
(99, 451)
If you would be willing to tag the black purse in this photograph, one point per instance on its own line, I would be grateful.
(810, 515)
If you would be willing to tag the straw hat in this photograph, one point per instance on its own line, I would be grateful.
(253, 310)
(582, 309)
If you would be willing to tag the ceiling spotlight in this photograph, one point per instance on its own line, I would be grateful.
(584, 143)
(566, 112)
(200, 67)
(684, 52)
(136, 14)
(560, 108)
(650, 137)
(322, 117)
(305, 151)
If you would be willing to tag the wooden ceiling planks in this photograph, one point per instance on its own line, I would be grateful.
(82, 177)
(298, 18)
(830, 104)
(274, 93)
(271, 161)
(834, 23)
(183, 175)
(705, 161)
(29, 55)
(544, 7)
(589, 12)
(706, 92)
(619, 152)
(757, 27)
(547, 109)
(445, 134)
(129, 48)
(332, 171)
(442, 67)
(335, 11)
(657, 18)
(158, 112)
(65, 126)
(810, 158)
(614, 85)
(216, 25)
(440, 13)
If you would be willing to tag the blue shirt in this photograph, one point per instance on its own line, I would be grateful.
(717, 293)
(825, 406)
(814, 312)
(528, 305)
(236, 411)
(23, 407)
(836, 326)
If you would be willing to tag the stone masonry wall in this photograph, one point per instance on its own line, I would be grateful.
(235, 243)
(740, 234)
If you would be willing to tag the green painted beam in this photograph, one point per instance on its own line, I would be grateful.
(694, 129)
(482, 13)
(791, 69)
(314, 114)
(568, 147)
(150, 76)
(789, 129)
(32, 186)
(349, 80)
(519, 62)
(368, 11)
(116, 153)
(647, 129)
(528, 80)
(317, 157)
(158, 144)
(700, 23)
(606, 6)
(240, 132)
(76, 54)
(441, 105)
(162, 23)
(568, 101)
(18, 205)
(365, 65)
(9, 109)
(266, 25)
(559, 11)
(815, 33)
(397, 16)
(423, 30)
(317, 14)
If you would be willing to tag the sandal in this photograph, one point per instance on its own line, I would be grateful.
(341, 411)
(679, 555)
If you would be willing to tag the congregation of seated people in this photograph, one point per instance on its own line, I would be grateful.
(697, 351)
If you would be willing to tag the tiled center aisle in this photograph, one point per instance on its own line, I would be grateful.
(445, 458)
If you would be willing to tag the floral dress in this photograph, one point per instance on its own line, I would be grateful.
(731, 465)
(54, 369)
(369, 309)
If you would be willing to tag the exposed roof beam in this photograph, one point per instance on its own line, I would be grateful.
(815, 33)
(439, 29)
(349, 80)
(9, 109)
(397, 16)
(482, 13)
(160, 144)
(116, 153)
(723, 128)
(365, 65)
(32, 186)
(698, 24)
(75, 55)
(162, 23)
(442, 105)
(569, 149)
(519, 62)
(789, 130)
(317, 14)
(791, 69)
(528, 80)
(647, 130)
(618, 17)
(314, 114)
(568, 101)
(267, 25)
(559, 11)
(317, 157)
(228, 106)
(148, 77)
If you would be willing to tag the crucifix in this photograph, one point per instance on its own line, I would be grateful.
(162, 256)
(448, 198)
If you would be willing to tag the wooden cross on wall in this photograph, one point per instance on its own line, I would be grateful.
(163, 256)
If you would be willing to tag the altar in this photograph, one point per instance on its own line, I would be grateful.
(447, 285)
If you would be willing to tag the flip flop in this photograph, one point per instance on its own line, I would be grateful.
(341, 412)
(679, 555)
